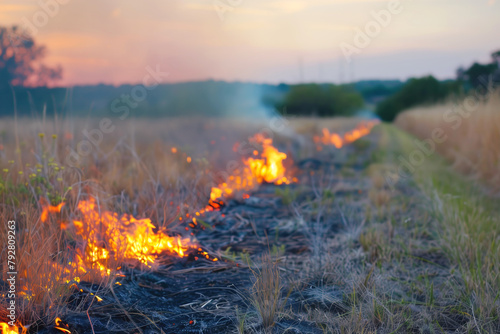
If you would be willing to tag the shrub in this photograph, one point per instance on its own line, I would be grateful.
(320, 100)
(417, 91)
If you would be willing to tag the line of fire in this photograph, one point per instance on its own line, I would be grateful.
(98, 244)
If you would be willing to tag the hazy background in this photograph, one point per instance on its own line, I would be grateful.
(267, 41)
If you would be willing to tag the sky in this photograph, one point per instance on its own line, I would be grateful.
(272, 41)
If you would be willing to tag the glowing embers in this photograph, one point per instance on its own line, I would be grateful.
(335, 139)
(266, 167)
(61, 326)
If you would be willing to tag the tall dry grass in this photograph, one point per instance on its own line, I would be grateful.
(472, 134)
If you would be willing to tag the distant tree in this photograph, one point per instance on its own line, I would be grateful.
(496, 60)
(460, 73)
(320, 100)
(480, 74)
(415, 92)
(496, 57)
(20, 60)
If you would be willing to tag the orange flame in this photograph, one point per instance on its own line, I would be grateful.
(123, 236)
(268, 168)
(339, 141)
(110, 238)
(5, 328)
(48, 209)
(60, 325)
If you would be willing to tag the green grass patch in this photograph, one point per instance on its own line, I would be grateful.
(465, 222)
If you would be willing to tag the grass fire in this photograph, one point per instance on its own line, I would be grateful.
(261, 167)
(264, 167)
(96, 245)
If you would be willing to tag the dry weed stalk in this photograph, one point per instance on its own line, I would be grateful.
(267, 291)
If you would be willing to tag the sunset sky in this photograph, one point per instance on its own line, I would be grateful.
(112, 41)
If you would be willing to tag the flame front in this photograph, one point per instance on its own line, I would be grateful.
(268, 168)
(339, 141)
(7, 329)
(124, 236)
(110, 238)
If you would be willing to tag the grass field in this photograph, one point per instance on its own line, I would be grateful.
(464, 225)
(354, 245)
(472, 131)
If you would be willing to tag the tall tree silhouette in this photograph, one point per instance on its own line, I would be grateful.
(20, 60)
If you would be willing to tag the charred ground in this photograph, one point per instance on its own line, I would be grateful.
(343, 250)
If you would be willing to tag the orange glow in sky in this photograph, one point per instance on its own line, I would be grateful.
(113, 41)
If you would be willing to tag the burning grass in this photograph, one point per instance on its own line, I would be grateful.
(127, 233)
(64, 238)
(130, 202)
(266, 166)
(339, 140)
(109, 240)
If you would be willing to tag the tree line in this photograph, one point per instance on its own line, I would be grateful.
(24, 78)
(428, 90)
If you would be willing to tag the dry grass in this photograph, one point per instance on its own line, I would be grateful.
(473, 134)
(312, 126)
(470, 238)
(426, 262)
(267, 292)
(132, 170)
(465, 225)
(467, 220)
(362, 273)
